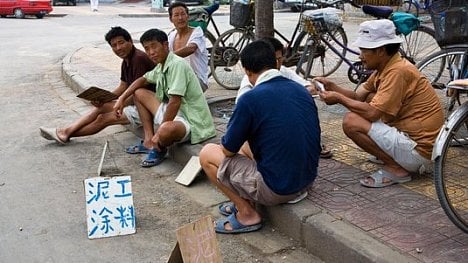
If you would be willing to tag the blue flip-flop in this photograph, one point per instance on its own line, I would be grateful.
(154, 158)
(237, 227)
(223, 208)
(139, 148)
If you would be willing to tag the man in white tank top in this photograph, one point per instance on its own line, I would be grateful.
(188, 42)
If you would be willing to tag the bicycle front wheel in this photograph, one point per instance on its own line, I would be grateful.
(419, 44)
(321, 58)
(451, 170)
(225, 62)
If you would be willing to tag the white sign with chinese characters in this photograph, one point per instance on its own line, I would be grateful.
(109, 206)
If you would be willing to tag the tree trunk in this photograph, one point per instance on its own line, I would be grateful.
(264, 18)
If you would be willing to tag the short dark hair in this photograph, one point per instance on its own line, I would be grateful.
(177, 4)
(277, 45)
(392, 49)
(153, 34)
(117, 31)
(258, 56)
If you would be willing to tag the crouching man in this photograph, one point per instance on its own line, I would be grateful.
(269, 154)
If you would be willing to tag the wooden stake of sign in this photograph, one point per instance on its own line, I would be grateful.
(196, 242)
(190, 171)
(103, 155)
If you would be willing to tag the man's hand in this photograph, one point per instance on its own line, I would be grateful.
(330, 97)
(118, 107)
(312, 91)
(328, 84)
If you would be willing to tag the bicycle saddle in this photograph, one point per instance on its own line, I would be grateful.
(212, 8)
(377, 11)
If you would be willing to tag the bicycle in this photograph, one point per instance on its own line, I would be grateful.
(416, 6)
(449, 156)
(324, 53)
(225, 59)
(313, 52)
(450, 65)
(203, 17)
(449, 20)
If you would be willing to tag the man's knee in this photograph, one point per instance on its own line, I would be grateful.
(207, 154)
(139, 94)
(171, 131)
(352, 123)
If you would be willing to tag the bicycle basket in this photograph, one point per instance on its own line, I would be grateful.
(321, 20)
(198, 17)
(378, 2)
(240, 14)
(450, 19)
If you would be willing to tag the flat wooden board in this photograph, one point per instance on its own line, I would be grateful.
(190, 171)
(176, 256)
(97, 94)
(198, 243)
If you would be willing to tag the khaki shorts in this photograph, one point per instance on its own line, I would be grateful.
(399, 146)
(240, 174)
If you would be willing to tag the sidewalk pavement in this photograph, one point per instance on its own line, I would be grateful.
(339, 221)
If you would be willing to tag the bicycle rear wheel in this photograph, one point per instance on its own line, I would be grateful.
(419, 44)
(451, 170)
(209, 42)
(436, 67)
(225, 62)
(318, 58)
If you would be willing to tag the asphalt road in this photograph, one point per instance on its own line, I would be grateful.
(42, 202)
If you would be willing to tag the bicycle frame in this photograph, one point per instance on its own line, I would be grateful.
(212, 22)
(346, 60)
(353, 65)
(447, 130)
(421, 4)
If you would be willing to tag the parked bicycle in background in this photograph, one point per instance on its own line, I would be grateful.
(316, 47)
(447, 69)
(225, 64)
(416, 7)
(324, 53)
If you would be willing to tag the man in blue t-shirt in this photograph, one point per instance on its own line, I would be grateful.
(269, 154)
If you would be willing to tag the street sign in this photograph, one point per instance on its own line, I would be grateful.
(109, 206)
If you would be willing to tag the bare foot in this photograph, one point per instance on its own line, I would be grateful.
(246, 221)
(62, 135)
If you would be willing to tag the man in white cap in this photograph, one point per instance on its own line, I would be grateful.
(395, 115)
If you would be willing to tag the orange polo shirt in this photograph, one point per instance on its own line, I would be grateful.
(408, 102)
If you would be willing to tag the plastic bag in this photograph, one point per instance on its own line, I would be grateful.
(405, 23)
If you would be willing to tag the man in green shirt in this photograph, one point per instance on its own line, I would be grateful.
(178, 106)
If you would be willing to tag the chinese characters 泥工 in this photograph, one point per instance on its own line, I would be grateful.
(109, 206)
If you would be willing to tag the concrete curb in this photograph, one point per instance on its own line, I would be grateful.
(330, 238)
(322, 234)
(72, 77)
